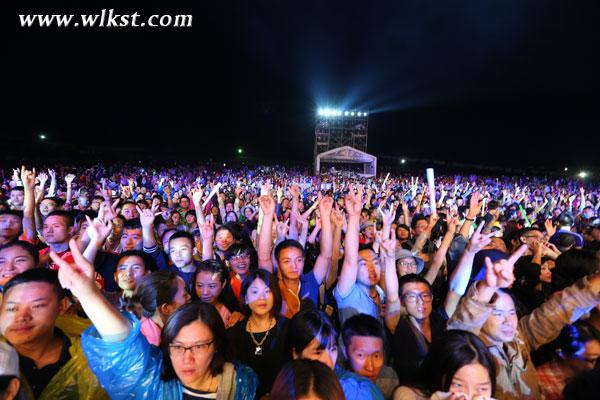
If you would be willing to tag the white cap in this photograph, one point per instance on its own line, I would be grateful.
(9, 360)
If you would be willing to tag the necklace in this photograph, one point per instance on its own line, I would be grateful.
(258, 349)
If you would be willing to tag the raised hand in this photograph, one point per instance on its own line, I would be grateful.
(354, 201)
(282, 228)
(337, 217)
(207, 229)
(267, 205)
(28, 177)
(474, 205)
(52, 174)
(550, 228)
(69, 179)
(77, 277)
(98, 229)
(388, 246)
(325, 207)
(295, 191)
(500, 274)
(197, 197)
(478, 240)
(389, 215)
(43, 178)
(148, 215)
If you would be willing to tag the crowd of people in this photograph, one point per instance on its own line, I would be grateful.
(188, 282)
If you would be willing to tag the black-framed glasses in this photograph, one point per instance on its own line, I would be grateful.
(426, 297)
(198, 349)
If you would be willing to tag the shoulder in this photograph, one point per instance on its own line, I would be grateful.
(357, 387)
(408, 393)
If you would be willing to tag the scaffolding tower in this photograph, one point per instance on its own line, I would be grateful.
(338, 129)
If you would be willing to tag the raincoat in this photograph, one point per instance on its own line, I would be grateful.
(131, 369)
(74, 380)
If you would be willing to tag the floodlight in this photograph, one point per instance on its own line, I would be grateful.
(403, 161)
(583, 174)
(352, 113)
(346, 113)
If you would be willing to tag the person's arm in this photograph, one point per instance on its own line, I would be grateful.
(545, 322)
(97, 232)
(337, 220)
(52, 188)
(323, 261)
(69, 181)
(197, 201)
(459, 279)
(388, 219)
(406, 213)
(474, 208)
(440, 254)
(313, 235)
(79, 279)
(265, 241)
(207, 231)
(392, 299)
(147, 220)
(582, 203)
(294, 216)
(347, 279)
(28, 179)
(475, 308)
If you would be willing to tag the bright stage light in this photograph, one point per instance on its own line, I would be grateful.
(583, 174)
(320, 112)
(364, 114)
(352, 113)
(42, 136)
(566, 169)
(359, 114)
(403, 161)
(346, 113)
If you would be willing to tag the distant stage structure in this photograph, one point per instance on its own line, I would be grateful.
(341, 142)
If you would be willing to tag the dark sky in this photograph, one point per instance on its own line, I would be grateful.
(501, 82)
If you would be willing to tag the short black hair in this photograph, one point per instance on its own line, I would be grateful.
(133, 223)
(185, 315)
(16, 213)
(411, 278)
(17, 188)
(301, 378)
(66, 215)
(286, 244)
(361, 325)
(417, 218)
(270, 280)
(183, 234)
(44, 275)
(149, 262)
(28, 247)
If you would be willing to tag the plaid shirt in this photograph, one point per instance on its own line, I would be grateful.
(552, 380)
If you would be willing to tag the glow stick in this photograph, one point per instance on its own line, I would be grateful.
(527, 222)
(385, 180)
(212, 193)
(431, 185)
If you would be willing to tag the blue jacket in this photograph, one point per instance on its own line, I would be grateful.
(357, 387)
(131, 369)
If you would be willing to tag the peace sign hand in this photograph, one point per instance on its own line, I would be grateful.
(500, 274)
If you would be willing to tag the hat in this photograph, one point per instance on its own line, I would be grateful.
(9, 360)
(366, 224)
(403, 253)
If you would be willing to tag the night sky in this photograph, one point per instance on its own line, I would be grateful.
(498, 82)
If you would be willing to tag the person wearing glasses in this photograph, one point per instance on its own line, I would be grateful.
(193, 361)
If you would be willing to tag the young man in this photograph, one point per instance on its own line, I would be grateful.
(181, 249)
(58, 229)
(52, 363)
(295, 285)
(489, 311)
(364, 338)
(11, 225)
(356, 291)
